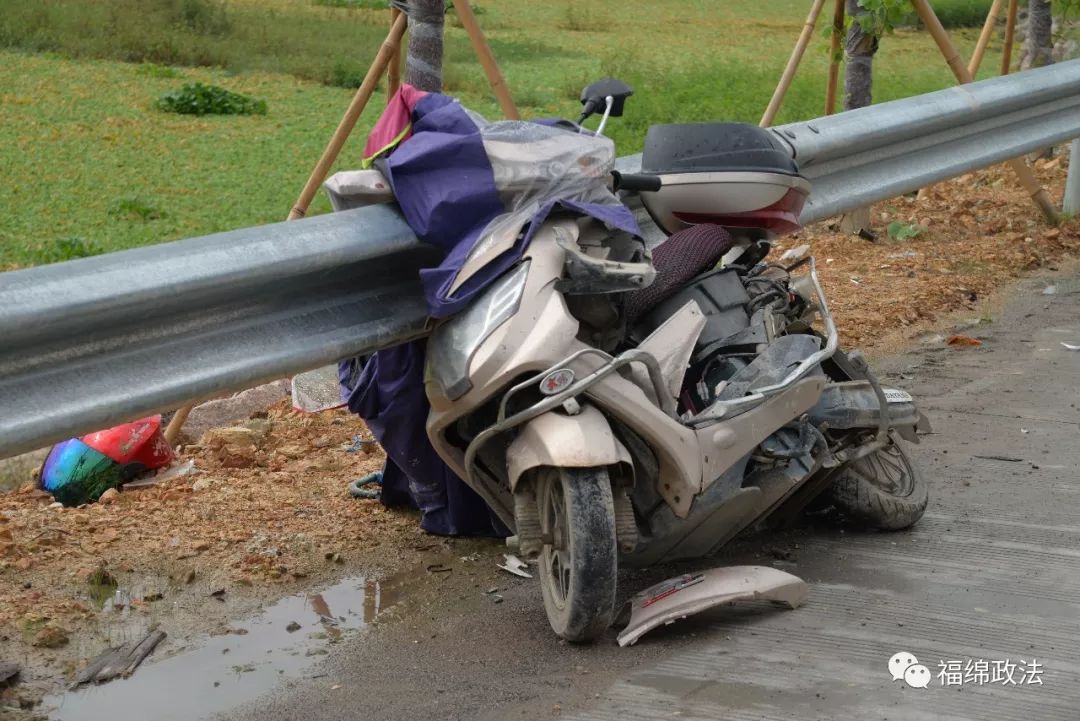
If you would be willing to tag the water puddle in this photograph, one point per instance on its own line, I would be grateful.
(222, 672)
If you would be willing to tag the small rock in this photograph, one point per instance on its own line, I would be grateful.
(109, 496)
(24, 564)
(321, 442)
(234, 436)
(200, 546)
(497, 598)
(50, 636)
(292, 627)
(8, 671)
(261, 427)
(189, 576)
(291, 451)
(237, 456)
(316, 652)
(203, 484)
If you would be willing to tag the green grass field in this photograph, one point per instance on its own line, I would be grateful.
(90, 166)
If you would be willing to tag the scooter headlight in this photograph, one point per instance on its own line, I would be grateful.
(453, 343)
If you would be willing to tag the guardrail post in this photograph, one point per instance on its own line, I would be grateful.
(1071, 202)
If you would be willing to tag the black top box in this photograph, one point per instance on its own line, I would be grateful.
(715, 147)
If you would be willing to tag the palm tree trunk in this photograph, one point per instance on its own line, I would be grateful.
(423, 62)
(1039, 44)
(859, 49)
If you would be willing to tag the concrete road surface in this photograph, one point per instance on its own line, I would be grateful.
(984, 592)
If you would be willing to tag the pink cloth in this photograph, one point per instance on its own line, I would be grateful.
(396, 119)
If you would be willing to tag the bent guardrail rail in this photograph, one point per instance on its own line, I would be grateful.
(97, 341)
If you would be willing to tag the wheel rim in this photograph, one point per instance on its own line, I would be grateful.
(888, 471)
(558, 554)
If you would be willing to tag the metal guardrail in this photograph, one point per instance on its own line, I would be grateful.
(863, 156)
(96, 341)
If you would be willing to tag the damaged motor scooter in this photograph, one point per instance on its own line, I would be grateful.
(619, 404)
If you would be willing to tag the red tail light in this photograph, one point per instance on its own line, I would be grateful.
(782, 217)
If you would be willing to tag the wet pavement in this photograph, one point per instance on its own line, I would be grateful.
(990, 577)
(252, 657)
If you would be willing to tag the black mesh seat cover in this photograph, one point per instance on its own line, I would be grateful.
(679, 259)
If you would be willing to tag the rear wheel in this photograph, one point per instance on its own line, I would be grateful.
(884, 490)
(578, 561)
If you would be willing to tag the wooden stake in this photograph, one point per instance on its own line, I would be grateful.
(1010, 33)
(792, 64)
(172, 431)
(393, 71)
(984, 38)
(834, 57)
(487, 60)
(952, 57)
(389, 49)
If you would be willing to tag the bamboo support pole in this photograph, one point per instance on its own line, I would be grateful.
(487, 60)
(834, 57)
(1010, 33)
(393, 70)
(388, 50)
(952, 57)
(172, 431)
(792, 64)
(984, 38)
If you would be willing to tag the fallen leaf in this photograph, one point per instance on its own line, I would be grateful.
(964, 340)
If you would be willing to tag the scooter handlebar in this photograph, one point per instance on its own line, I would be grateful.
(636, 182)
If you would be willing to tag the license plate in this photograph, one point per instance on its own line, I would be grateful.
(894, 395)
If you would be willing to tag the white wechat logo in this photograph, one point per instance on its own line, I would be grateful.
(917, 676)
(904, 666)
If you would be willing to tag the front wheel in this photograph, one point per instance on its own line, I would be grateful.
(884, 490)
(578, 561)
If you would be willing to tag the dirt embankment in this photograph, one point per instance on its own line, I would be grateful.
(268, 512)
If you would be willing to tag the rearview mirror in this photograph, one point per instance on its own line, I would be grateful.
(594, 97)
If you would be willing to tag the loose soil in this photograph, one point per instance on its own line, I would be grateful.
(268, 513)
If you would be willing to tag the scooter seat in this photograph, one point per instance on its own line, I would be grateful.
(678, 260)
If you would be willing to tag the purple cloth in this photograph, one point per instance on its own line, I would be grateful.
(388, 393)
(445, 185)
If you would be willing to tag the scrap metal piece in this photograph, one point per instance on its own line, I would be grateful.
(513, 564)
(691, 593)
